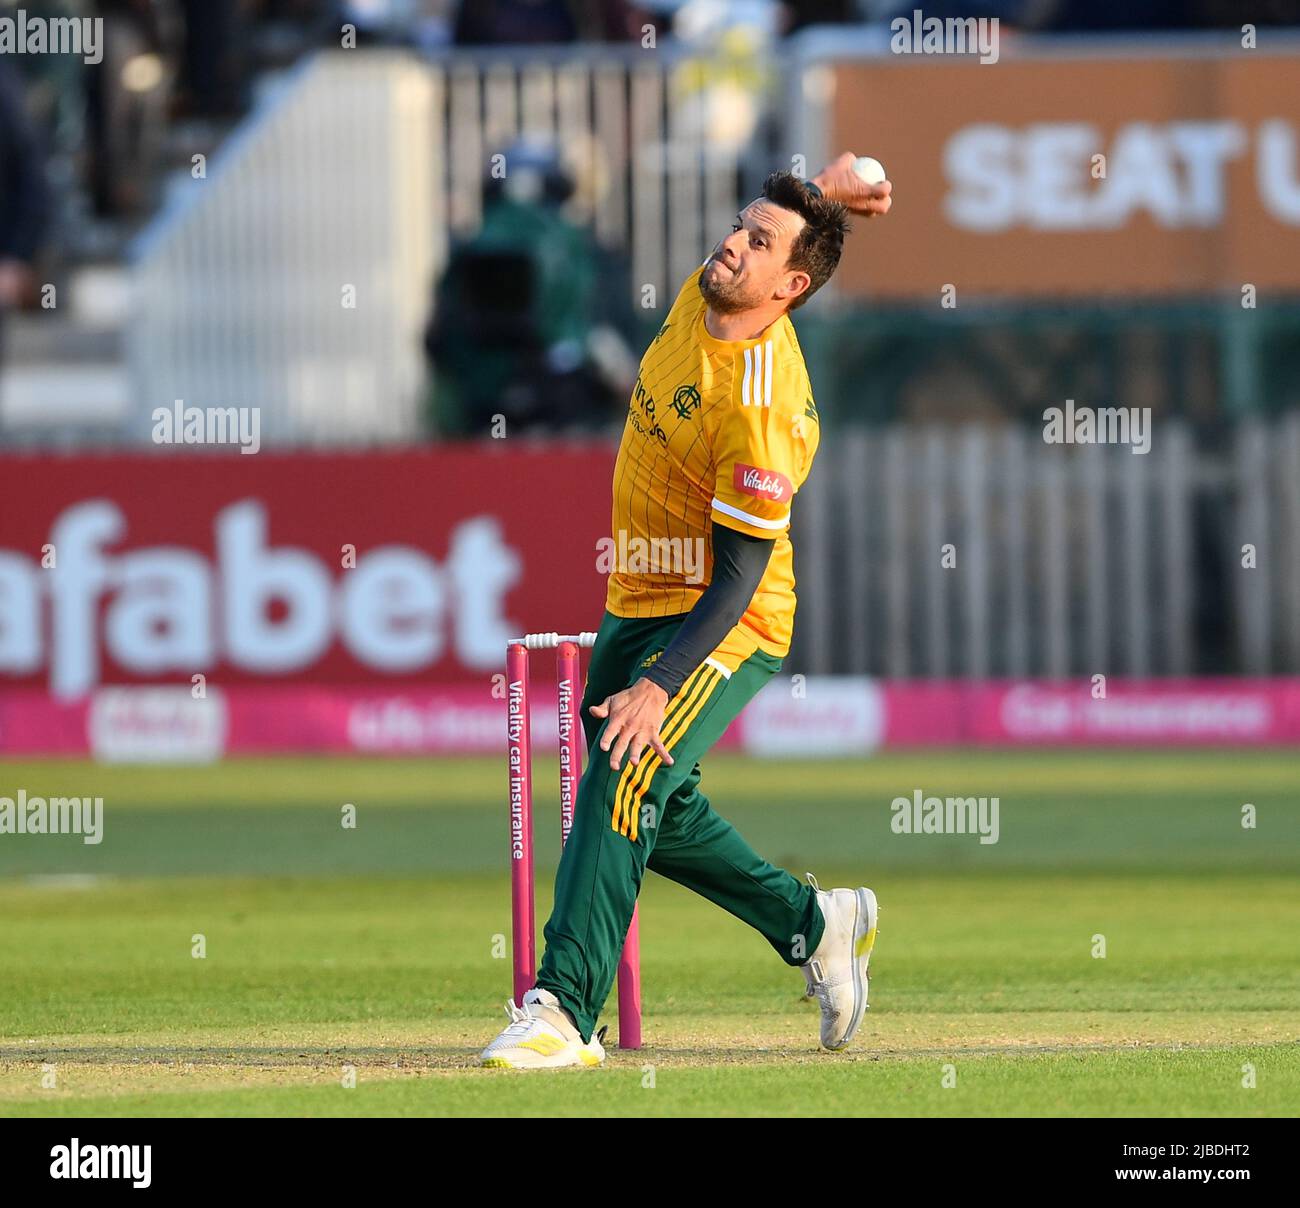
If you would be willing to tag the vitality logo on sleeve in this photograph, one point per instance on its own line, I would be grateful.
(762, 484)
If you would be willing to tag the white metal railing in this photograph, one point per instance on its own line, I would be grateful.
(359, 173)
(656, 173)
(240, 288)
(1073, 560)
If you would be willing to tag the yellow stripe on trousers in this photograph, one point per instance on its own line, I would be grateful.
(671, 732)
(679, 702)
(715, 678)
(671, 725)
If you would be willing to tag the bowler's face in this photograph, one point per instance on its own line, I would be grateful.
(750, 265)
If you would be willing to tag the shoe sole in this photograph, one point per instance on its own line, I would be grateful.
(864, 940)
(585, 1061)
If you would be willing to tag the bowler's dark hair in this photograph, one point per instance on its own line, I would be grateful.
(817, 248)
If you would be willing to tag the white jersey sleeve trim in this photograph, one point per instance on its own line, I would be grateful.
(757, 521)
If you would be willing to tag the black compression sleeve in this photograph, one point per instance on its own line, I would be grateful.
(738, 565)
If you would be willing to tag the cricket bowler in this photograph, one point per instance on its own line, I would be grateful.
(721, 433)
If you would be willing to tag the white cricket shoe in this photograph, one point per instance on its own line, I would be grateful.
(837, 973)
(540, 1036)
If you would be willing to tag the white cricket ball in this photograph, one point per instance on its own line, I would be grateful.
(870, 170)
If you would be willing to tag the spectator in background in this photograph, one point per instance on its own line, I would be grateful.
(1108, 16)
(1103, 16)
(24, 195)
(215, 58)
(1228, 14)
(507, 22)
(799, 14)
(125, 107)
(517, 329)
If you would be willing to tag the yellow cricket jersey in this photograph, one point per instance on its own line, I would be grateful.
(717, 431)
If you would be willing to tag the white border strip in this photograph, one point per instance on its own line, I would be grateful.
(757, 521)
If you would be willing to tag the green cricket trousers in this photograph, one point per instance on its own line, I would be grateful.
(654, 816)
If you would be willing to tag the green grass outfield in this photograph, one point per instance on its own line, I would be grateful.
(382, 949)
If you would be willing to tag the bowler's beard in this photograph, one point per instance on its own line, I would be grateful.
(725, 295)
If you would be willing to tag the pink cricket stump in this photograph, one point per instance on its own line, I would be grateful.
(569, 682)
(568, 676)
(629, 987)
(519, 740)
(629, 966)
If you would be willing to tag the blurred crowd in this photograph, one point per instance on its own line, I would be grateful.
(179, 72)
(85, 149)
